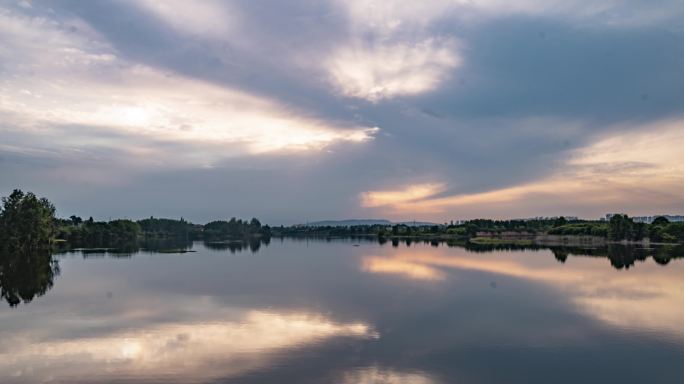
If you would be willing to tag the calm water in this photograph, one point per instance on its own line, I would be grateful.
(332, 312)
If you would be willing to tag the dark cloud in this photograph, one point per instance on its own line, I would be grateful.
(524, 66)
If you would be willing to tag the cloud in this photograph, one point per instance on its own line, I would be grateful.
(637, 171)
(394, 14)
(78, 80)
(379, 375)
(214, 19)
(182, 349)
(390, 70)
(397, 48)
(480, 96)
(408, 194)
(389, 52)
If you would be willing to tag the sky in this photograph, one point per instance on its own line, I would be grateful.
(308, 110)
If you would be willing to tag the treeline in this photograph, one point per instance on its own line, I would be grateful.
(235, 229)
(155, 227)
(585, 228)
(622, 227)
(469, 229)
(618, 228)
(99, 233)
(91, 233)
(474, 228)
(28, 223)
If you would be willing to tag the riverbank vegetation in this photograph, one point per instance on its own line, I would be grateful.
(28, 223)
(618, 228)
(30, 234)
(90, 233)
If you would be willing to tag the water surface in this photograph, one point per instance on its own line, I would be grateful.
(343, 311)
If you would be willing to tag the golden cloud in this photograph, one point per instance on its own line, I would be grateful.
(642, 169)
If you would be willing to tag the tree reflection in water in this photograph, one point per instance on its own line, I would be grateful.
(26, 275)
(623, 256)
(238, 245)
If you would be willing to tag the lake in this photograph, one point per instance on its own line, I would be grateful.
(347, 311)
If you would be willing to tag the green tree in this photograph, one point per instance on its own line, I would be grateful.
(621, 227)
(75, 220)
(27, 223)
(382, 231)
(660, 220)
(560, 222)
(254, 225)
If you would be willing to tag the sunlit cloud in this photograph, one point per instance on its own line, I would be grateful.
(176, 351)
(389, 52)
(408, 194)
(635, 171)
(57, 77)
(392, 52)
(374, 72)
(653, 149)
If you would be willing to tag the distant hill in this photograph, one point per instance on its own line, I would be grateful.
(351, 222)
(416, 223)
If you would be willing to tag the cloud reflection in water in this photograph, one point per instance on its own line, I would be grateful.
(635, 299)
(175, 351)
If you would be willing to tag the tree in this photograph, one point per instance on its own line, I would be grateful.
(559, 222)
(621, 227)
(27, 223)
(75, 220)
(254, 225)
(660, 220)
(640, 231)
(234, 229)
